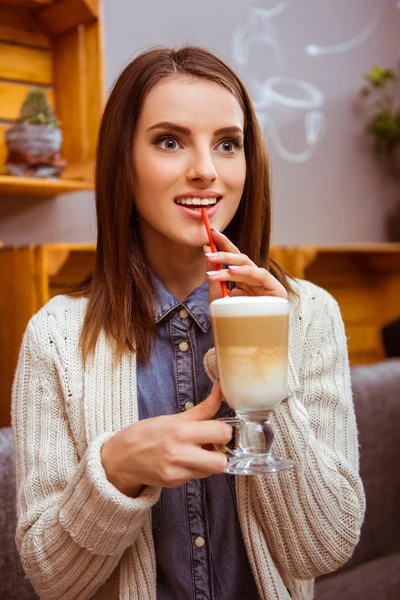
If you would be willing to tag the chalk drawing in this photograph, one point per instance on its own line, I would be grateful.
(315, 50)
(280, 96)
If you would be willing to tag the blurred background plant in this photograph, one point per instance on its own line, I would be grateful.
(381, 96)
(35, 110)
(381, 107)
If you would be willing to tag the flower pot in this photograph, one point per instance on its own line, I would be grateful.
(34, 151)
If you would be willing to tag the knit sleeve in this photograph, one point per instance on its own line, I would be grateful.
(73, 524)
(311, 516)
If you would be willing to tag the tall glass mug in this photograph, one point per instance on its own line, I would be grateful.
(251, 341)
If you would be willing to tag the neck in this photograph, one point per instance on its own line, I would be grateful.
(181, 269)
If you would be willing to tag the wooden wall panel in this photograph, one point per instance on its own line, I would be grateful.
(3, 150)
(19, 300)
(12, 96)
(65, 15)
(20, 63)
(71, 94)
(95, 84)
(21, 27)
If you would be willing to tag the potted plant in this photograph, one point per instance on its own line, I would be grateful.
(35, 140)
(381, 96)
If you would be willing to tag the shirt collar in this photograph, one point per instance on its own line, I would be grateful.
(196, 304)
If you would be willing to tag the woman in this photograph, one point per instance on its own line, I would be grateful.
(119, 492)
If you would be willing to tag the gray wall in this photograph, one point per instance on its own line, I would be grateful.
(303, 62)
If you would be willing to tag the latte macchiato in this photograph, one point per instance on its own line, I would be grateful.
(251, 340)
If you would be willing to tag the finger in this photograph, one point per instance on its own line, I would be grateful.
(206, 409)
(228, 258)
(206, 432)
(223, 242)
(207, 461)
(260, 279)
(214, 287)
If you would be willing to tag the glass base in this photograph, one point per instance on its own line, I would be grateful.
(257, 464)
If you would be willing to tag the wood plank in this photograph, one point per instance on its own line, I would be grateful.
(18, 302)
(70, 79)
(73, 266)
(362, 248)
(364, 340)
(20, 26)
(3, 149)
(12, 95)
(66, 15)
(388, 295)
(32, 186)
(357, 304)
(95, 101)
(25, 64)
(30, 4)
(339, 270)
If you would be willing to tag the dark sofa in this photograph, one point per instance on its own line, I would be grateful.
(373, 572)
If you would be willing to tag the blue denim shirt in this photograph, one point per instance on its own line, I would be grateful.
(200, 552)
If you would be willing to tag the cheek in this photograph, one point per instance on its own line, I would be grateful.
(234, 175)
(153, 177)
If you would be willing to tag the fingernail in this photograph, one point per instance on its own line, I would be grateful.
(233, 267)
(212, 273)
(211, 254)
(213, 229)
(214, 384)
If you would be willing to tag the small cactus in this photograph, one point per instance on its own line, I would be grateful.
(35, 110)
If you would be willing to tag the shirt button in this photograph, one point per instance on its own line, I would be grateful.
(189, 405)
(183, 346)
(199, 542)
(183, 313)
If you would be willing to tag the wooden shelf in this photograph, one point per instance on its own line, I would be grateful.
(55, 45)
(29, 4)
(33, 186)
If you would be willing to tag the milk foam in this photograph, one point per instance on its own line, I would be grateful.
(249, 306)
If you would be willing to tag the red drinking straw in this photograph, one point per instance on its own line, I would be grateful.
(213, 248)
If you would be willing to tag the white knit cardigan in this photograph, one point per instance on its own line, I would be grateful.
(80, 538)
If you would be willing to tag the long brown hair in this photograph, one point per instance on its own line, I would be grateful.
(120, 288)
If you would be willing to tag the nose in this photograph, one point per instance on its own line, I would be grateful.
(202, 167)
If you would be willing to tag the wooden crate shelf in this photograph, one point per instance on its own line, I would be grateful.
(55, 45)
(364, 279)
(33, 186)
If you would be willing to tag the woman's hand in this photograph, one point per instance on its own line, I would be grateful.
(168, 450)
(250, 280)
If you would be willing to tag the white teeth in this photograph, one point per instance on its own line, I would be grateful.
(197, 201)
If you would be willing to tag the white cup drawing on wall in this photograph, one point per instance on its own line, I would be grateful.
(279, 98)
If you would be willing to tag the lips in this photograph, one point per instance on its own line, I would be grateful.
(202, 195)
(194, 211)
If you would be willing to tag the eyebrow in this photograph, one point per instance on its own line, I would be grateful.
(184, 130)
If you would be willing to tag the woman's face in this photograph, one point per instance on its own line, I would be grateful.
(187, 149)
